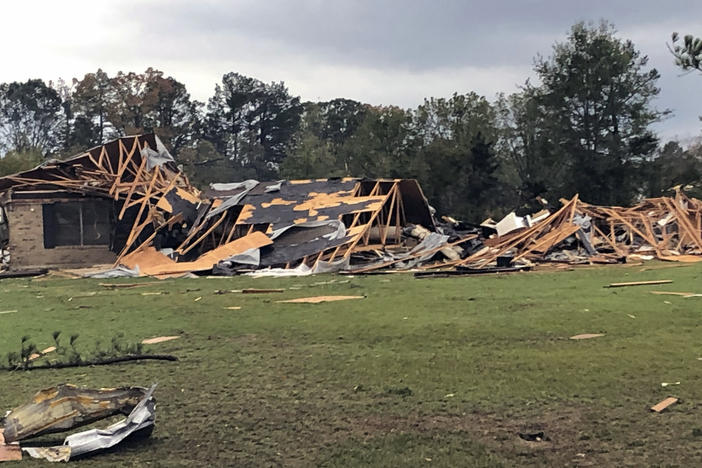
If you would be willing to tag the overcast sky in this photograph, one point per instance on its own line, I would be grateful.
(381, 52)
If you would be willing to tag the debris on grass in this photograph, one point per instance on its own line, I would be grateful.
(65, 407)
(68, 356)
(586, 336)
(48, 350)
(2, 312)
(673, 293)
(667, 384)
(638, 283)
(233, 307)
(320, 299)
(664, 404)
(140, 419)
(9, 451)
(533, 436)
(159, 339)
(128, 285)
(261, 291)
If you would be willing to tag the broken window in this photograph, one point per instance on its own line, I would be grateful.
(78, 223)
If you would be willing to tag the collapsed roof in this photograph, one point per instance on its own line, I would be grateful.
(164, 226)
(163, 222)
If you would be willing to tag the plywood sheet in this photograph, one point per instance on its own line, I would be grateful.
(664, 404)
(153, 263)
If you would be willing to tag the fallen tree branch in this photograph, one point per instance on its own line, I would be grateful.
(101, 362)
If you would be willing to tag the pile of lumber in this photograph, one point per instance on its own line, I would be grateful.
(667, 228)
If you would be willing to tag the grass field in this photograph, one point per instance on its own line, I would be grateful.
(422, 372)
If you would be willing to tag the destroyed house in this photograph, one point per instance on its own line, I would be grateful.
(127, 203)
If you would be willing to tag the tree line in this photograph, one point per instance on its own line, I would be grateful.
(584, 127)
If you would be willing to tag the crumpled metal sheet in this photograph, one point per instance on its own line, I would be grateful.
(94, 440)
(65, 407)
(157, 157)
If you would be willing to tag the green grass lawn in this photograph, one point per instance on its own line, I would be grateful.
(422, 372)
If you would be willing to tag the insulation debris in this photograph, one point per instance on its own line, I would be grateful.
(128, 205)
(320, 299)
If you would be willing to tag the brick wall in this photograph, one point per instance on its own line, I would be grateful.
(27, 241)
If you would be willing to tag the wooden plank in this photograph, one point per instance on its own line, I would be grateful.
(664, 404)
(638, 283)
(319, 299)
(586, 336)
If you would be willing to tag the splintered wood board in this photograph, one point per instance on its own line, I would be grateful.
(9, 452)
(586, 336)
(159, 339)
(639, 283)
(664, 404)
(675, 293)
(318, 299)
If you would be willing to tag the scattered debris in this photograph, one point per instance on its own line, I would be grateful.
(164, 227)
(672, 293)
(2, 312)
(139, 420)
(533, 436)
(638, 283)
(233, 307)
(666, 384)
(128, 285)
(9, 451)
(64, 407)
(586, 336)
(159, 339)
(664, 404)
(319, 299)
(261, 291)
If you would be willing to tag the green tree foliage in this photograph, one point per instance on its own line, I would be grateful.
(456, 162)
(151, 102)
(18, 161)
(204, 164)
(381, 146)
(596, 95)
(252, 124)
(532, 166)
(31, 117)
(314, 154)
(93, 97)
(671, 166)
(688, 55)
